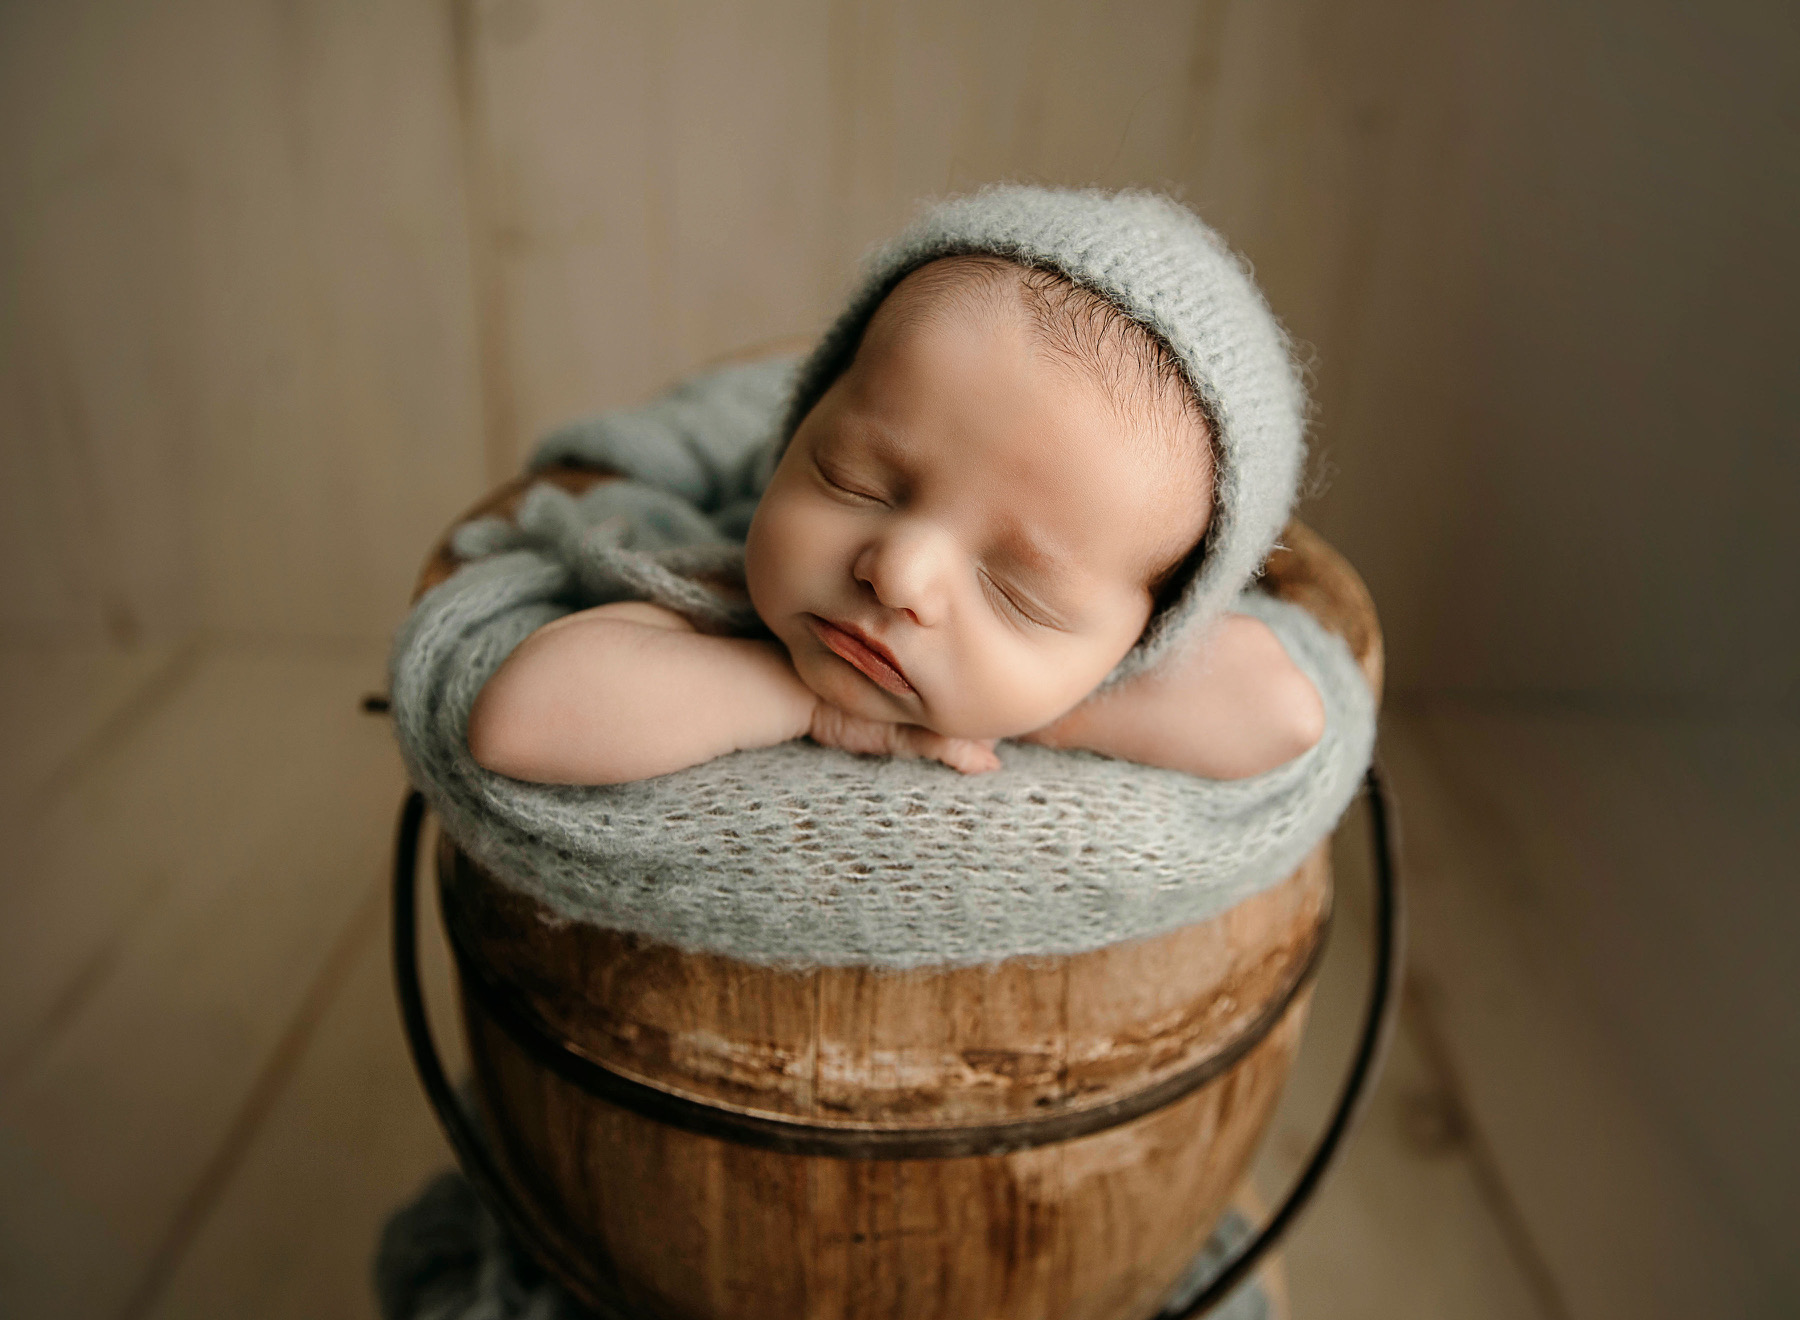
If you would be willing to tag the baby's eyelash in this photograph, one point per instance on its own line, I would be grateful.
(835, 484)
(1006, 598)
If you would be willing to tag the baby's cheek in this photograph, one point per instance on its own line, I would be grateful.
(770, 557)
(1012, 691)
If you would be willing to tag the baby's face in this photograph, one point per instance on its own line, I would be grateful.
(963, 531)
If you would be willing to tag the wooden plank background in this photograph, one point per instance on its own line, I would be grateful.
(285, 284)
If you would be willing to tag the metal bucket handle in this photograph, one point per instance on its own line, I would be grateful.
(599, 1291)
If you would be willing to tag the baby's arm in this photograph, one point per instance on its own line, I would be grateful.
(630, 691)
(1228, 709)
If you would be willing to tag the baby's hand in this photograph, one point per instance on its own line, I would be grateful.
(832, 727)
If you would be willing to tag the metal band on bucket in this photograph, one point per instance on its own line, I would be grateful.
(509, 1010)
(592, 1279)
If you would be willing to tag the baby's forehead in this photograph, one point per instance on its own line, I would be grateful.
(948, 287)
(1077, 328)
(1079, 334)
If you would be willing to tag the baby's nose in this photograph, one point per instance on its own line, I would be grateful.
(906, 570)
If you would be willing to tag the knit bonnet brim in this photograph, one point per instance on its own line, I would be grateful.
(1160, 265)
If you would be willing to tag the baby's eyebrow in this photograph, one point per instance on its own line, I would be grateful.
(1031, 553)
(866, 431)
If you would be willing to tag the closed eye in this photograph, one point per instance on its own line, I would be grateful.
(839, 485)
(1007, 602)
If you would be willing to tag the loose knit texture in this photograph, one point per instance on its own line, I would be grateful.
(1155, 261)
(799, 855)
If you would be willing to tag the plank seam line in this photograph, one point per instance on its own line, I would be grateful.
(1484, 1160)
(81, 988)
(270, 1082)
(488, 294)
(163, 683)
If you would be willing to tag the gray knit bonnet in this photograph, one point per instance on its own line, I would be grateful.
(1155, 261)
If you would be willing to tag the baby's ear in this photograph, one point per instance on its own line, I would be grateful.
(1169, 581)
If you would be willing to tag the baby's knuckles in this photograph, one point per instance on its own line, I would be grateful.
(833, 727)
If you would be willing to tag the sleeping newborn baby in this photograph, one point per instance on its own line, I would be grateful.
(1024, 477)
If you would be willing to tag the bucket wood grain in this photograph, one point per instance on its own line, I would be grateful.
(1094, 1226)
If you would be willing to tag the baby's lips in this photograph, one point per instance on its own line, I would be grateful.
(859, 654)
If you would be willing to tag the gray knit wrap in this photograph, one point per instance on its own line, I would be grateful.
(800, 855)
(1154, 260)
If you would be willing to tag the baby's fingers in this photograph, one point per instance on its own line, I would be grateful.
(972, 756)
(832, 727)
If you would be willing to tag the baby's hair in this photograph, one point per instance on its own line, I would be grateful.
(1139, 373)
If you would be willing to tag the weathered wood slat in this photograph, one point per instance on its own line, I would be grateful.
(1092, 1229)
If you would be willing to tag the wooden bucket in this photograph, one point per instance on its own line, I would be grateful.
(1047, 1139)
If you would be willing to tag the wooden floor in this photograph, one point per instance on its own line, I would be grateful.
(206, 1108)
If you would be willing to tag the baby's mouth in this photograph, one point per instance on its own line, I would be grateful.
(866, 654)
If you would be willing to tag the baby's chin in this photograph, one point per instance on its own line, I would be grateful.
(837, 683)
